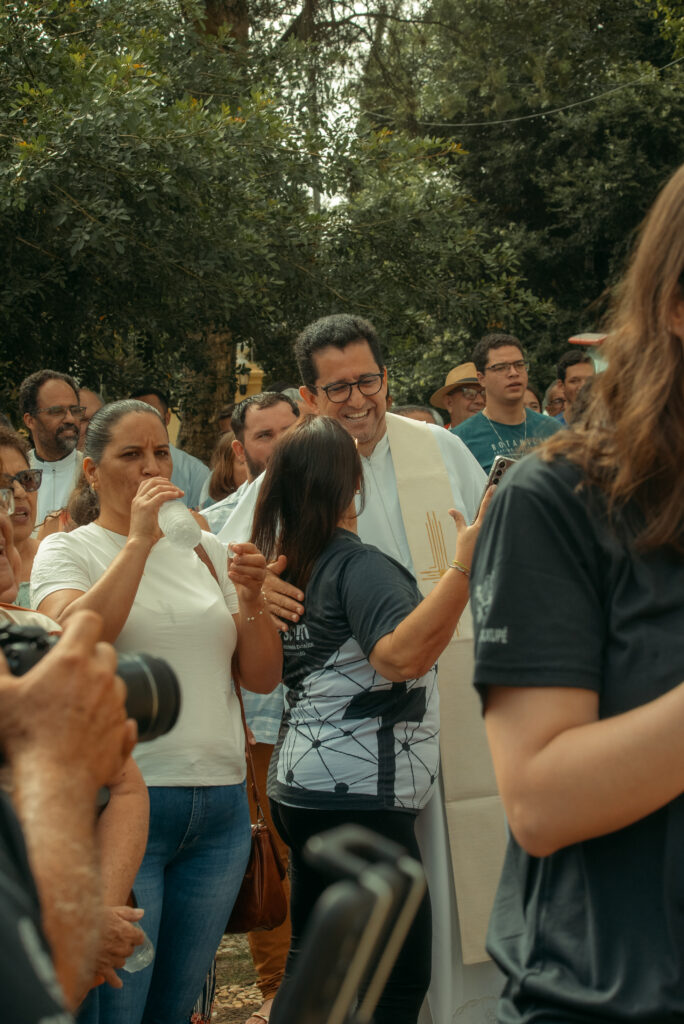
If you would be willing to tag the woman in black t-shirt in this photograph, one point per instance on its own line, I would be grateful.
(578, 601)
(359, 740)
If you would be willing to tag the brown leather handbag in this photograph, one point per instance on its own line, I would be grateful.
(261, 903)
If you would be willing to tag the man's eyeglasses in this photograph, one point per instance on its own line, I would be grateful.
(519, 365)
(468, 392)
(368, 385)
(7, 500)
(555, 403)
(77, 411)
(29, 479)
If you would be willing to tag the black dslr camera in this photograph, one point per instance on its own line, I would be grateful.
(153, 697)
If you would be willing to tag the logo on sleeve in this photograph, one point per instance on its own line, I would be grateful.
(482, 597)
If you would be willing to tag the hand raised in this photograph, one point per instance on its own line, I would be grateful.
(283, 599)
(467, 535)
(247, 570)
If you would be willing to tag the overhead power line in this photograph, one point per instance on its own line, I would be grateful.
(544, 113)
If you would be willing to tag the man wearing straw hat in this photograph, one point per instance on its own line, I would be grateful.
(462, 395)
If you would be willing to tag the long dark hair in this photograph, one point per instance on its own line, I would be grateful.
(629, 441)
(309, 484)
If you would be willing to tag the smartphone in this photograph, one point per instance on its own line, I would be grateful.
(500, 466)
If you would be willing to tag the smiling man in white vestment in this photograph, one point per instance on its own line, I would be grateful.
(413, 473)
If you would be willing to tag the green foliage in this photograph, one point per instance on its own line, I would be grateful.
(149, 190)
(568, 186)
(409, 249)
(165, 193)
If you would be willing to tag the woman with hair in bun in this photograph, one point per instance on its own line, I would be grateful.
(199, 611)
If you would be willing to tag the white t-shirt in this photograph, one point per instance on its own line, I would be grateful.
(181, 615)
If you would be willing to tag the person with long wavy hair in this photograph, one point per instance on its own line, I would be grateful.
(359, 741)
(583, 695)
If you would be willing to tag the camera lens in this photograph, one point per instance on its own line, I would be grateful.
(153, 694)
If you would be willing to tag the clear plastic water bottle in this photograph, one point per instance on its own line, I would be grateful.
(178, 525)
(141, 956)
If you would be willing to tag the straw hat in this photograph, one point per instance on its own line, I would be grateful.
(463, 374)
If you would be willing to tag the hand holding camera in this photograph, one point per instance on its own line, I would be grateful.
(70, 709)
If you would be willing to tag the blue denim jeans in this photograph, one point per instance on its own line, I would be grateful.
(196, 856)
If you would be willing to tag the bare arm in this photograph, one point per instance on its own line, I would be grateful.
(259, 651)
(122, 833)
(122, 837)
(112, 596)
(566, 776)
(413, 647)
(64, 729)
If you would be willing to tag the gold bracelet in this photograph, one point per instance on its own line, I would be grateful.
(459, 567)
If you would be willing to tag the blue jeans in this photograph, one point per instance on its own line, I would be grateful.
(196, 856)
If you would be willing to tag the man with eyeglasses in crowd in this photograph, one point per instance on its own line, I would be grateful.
(554, 399)
(462, 395)
(50, 408)
(505, 426)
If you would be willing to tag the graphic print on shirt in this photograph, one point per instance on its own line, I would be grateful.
(390, 707)
(350, 733)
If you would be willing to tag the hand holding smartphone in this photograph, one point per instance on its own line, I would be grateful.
(500, 467)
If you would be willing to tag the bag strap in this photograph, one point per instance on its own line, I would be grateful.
(248, 753)
(204, 557)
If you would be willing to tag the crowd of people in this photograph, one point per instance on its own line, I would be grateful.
(343, 548)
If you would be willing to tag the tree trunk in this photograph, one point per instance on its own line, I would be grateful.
(211, 389)
(233, 14)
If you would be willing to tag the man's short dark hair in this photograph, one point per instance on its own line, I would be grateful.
(572, 358)
(493, 341)
(263, 401)
(31, 385)
(337, 331)
(144, 389)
